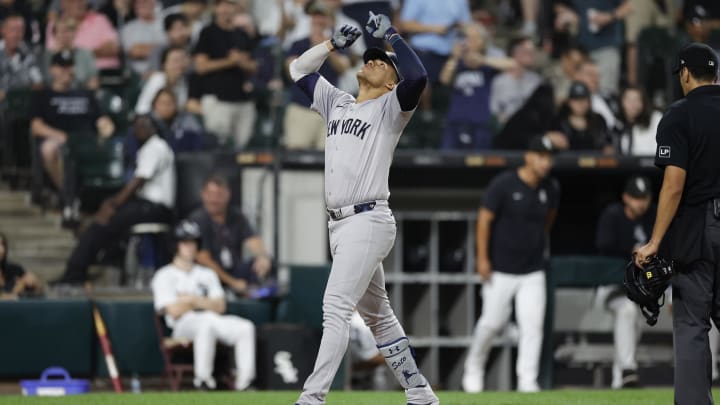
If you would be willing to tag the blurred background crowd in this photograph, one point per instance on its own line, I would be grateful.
(590, 75)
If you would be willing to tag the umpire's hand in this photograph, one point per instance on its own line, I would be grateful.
(643, 254)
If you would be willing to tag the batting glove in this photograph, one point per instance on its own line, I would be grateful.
(379, 26)
(345, 37)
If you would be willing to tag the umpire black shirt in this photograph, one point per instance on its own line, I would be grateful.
(518, 237)
(688, 137)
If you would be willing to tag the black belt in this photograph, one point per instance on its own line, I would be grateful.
(344, 212)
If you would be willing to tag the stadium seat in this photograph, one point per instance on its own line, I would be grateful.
(16, 147)
(147, 250)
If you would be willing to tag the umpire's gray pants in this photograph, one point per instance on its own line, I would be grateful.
(696, 298)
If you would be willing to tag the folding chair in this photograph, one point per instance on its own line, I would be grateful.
(177, 357)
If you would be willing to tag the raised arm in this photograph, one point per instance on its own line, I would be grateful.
(304, 69)
(414, 75)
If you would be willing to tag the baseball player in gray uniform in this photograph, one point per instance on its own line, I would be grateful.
(362, 135)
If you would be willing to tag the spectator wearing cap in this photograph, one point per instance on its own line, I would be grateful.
(622, 229)
(149, 196)
(177, 32)
(18, 66)
(94, 32)
(142, 35)
(584, 129)
(224, 63)
(305, 128)
(469, 72)
(701, 18)
(589, 73)
(518, 204)
(600, 32)
(433, 28)
(59, 112)
(639, 122)
(175, 63)
(85, 70)
(511, 89)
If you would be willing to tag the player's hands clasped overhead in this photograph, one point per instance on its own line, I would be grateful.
(379, 26)
(345, 37)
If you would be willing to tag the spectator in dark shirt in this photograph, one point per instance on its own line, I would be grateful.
(305, 128)
(225, 234)
(60, 112)
(622, 229)
(470, 74)
(224, 63)
(22, 8)
(181, 130)
(584, 129)
(14, 280)
(600, 31)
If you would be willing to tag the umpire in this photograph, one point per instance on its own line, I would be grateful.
(687, 225)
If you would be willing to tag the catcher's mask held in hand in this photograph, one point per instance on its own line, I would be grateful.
(646, 286)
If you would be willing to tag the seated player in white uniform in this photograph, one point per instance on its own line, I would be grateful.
(192, 300)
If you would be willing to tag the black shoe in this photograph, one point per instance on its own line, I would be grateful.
(630, 379)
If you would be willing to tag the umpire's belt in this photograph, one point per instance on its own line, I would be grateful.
(350, 210)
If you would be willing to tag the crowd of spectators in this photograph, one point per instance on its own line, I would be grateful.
(489, 63)
(579, 72)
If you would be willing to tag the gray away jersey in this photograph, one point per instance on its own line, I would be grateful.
(361, 139)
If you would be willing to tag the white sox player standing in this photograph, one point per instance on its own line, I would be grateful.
(362, 135)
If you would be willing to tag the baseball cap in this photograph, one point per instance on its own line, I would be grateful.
(696, 54)
(187, 230)
(541, 144)
(375, 53)
(578, 90)
(638, 187)
(63, 58)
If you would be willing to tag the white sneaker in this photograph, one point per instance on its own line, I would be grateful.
(472, 382)
(205, 384)
(421, 396)
(242, 385)
(528, 387)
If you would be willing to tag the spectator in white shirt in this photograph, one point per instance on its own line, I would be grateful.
(174, 62)
(639, 123)
(193, 302)
(511, 89)
(148, 197)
